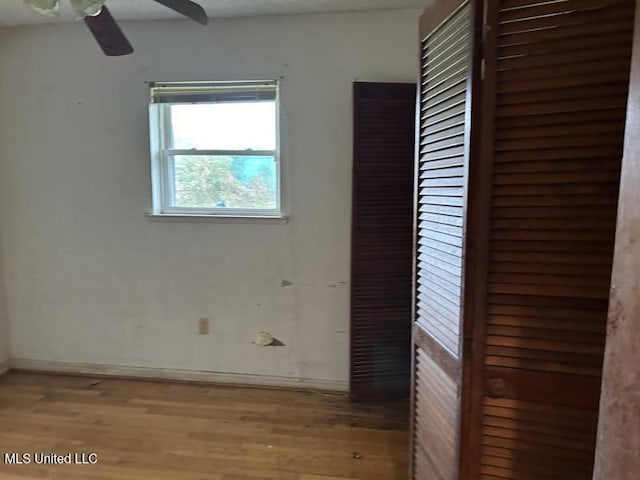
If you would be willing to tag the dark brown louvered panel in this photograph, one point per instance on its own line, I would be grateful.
(536, 438)
(436, 421)
(442, 179)
(384, 140)
(561, 73)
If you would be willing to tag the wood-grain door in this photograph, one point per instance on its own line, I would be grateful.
(554, 102)
(381, 254)
(445, 139)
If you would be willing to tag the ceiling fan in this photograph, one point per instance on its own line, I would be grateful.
(102, 24)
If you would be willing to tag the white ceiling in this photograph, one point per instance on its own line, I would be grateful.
(15, 12)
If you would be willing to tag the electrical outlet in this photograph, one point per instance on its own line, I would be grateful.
(203, 326)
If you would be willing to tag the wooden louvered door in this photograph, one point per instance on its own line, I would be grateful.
(445, 139)
(555, 90)
(384, 126)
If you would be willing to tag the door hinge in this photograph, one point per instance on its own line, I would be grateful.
(479, 53)
(486, 29)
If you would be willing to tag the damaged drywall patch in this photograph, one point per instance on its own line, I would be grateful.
(265, 339)
(286, 283)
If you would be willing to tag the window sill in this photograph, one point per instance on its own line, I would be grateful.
(172, 217)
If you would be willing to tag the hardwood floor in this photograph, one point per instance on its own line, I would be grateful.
(144, 430)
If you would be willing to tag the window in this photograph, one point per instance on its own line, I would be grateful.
(214, 149)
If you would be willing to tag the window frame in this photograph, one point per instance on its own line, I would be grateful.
(162, 165)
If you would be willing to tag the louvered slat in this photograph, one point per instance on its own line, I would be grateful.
(442, 175)
(536, 438)
(436, 440)
(440, 217)
(561, 76)
(384, 122)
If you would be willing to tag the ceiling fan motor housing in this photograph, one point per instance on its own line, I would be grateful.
(103, 26)
(51, 8)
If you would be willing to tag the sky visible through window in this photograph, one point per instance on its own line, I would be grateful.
(224, 126)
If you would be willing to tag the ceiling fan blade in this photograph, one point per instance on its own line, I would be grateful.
(187, 8)
(108, 34)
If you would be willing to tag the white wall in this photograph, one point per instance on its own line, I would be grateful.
(90, 279)
(4, 327)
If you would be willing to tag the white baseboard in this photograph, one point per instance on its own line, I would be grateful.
(4, 367)
(176, 375)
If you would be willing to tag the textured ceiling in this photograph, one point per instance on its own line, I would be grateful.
(15, 12)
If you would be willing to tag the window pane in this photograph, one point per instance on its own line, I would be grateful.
(224, 126)
(244, 182)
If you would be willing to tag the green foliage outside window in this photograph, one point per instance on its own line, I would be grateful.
(225, 182)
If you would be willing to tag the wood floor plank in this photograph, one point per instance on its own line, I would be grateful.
(176, 431)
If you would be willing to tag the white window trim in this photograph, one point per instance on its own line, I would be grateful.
(162, 178)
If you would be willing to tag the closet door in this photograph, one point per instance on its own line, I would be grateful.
(556, 82)
(381, 253)
(444, 143)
